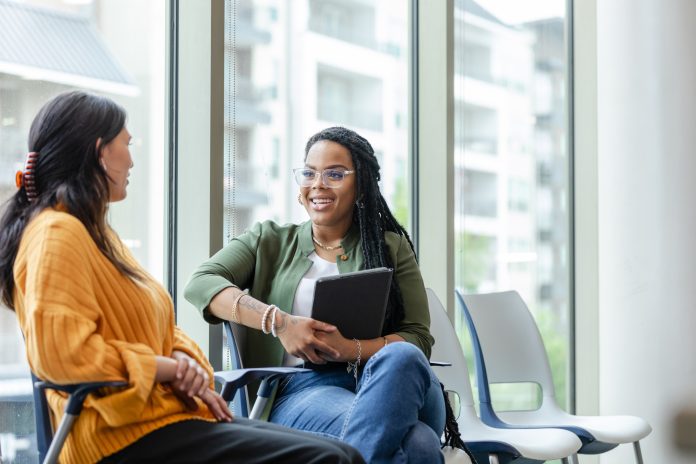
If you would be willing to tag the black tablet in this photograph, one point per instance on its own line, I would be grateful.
(355, 302)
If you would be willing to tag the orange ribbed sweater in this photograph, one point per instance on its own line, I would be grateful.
(83, 321)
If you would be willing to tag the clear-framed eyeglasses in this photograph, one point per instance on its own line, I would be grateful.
(331, 178)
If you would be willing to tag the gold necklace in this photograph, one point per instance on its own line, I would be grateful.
(327, 248)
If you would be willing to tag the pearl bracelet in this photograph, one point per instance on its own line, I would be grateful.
(273, 319)
(264, 318)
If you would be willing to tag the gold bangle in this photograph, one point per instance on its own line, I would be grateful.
(385, 341)
(235, 306)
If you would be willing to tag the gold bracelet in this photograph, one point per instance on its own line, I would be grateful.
(235, 305)
(385, 341)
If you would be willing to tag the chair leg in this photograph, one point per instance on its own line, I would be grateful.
(639, 455)
(564, 460)
(573, 459)
(493, 459)
(59, 438)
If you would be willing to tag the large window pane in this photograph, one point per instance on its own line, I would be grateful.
(294, 68)
(512, 165)
(50, 46)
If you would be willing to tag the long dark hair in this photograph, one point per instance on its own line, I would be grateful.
(374, 218)
(67, 172)
(371, 212)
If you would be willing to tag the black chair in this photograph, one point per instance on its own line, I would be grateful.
(50, 442)
(237, 379)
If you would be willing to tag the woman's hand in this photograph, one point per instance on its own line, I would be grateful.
(191, 379)
(299, 336)
(217, 405)
(346, 349)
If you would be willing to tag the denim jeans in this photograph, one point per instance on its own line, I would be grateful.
(395, 414)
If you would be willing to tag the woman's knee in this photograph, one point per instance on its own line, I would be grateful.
(404, 354)
(421, 444)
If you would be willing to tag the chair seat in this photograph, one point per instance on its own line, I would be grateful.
(455, 456)
(606, 429)
(544, 444)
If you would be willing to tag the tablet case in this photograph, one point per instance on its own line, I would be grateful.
(355, 302)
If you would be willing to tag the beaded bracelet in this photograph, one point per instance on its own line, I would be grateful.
(264, 318)
(273, 319)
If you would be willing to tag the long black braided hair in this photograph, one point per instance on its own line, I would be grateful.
(371, 214)
(374, 219)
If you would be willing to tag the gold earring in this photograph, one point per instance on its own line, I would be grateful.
(299, 198)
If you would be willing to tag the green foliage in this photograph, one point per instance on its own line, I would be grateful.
(400, 207)
(556, 343)
(473, 262)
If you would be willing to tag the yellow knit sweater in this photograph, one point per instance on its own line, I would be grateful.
(83, 321)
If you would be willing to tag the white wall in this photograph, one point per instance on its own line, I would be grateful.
(646, 101)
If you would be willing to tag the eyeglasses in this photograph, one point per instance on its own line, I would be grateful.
(332, 178)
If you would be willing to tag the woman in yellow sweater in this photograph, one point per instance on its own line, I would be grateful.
(89, 312)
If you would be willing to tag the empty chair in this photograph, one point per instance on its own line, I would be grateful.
(508, 348)
(504, 445)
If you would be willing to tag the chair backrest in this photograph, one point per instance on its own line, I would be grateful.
(235, 335)
(508, 347)
(448, 349)
(42, 416)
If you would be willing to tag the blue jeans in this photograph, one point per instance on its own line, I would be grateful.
(395, 414)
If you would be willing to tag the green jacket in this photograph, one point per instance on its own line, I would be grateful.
(270, 260)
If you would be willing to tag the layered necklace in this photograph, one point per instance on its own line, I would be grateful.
(325, 247)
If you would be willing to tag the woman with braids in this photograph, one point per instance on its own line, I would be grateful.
(390, 407)
(90, 313)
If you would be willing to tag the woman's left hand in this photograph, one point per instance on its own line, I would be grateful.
(346, 348)
(191, 378)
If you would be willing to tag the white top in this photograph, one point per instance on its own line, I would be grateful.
(304, 295)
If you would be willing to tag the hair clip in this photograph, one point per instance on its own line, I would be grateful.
(26, 178)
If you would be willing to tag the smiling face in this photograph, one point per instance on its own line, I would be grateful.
(116, 159)
(330, 208)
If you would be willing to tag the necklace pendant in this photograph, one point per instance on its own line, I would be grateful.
(325, 247)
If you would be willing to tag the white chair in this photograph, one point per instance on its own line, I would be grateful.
(508, 349)
(506, 445)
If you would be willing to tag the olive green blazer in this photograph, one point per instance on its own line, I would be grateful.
(269, 260)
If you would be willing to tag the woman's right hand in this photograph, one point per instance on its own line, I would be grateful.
(296, 333)
(217, 405)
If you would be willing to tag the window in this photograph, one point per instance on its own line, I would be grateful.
(511, 182)
(86, 45)
(480, 193)
(352, 21)
(330, 63)
(348, 98)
